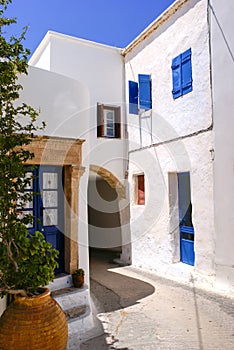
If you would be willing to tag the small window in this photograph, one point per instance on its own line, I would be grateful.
(182, 74)
(108, 121)
(140, 189)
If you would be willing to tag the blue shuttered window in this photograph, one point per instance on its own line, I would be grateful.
(133, 97)
(140, 94)
(145, 91)
(182, 74)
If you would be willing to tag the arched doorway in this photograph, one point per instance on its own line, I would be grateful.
(108, 215)
(103, 216)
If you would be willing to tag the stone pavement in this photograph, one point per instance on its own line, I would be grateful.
(139, 310)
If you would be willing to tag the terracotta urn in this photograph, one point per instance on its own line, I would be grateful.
(33, 323)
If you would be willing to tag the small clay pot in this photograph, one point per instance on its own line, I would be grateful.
(78, 281)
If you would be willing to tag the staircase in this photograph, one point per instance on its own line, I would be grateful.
(76, 304)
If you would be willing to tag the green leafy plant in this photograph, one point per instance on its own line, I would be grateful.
(26, 261)
(79, 272)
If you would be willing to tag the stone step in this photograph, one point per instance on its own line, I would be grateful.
(82, 323)
(60, 282)
(71, 297)
(75, 312)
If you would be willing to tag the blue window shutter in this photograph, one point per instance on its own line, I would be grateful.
(145, 91)
(133, 97)
(176, 77)
(186, 71)
(182, 74)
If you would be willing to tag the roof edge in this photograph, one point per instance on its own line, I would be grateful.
(52, 34)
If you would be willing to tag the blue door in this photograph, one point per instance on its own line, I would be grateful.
(47, 206)
(187, 254)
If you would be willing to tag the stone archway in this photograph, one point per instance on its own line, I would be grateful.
(110, 179)
(64, 152)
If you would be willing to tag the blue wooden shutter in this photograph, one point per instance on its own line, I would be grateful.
(133, 97)
(182, 74)
(145, 91)
(176, 77)
(186, 71)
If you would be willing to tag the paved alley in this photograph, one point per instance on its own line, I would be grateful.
(143, 311)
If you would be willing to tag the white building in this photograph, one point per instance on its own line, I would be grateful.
(74, 101)
(171, 143)
(78, 88)
(179, 73)
(180, 148)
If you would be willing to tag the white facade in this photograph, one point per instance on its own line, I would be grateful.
(222, 49)
(99, 68)
(67, 79)
(174, 137)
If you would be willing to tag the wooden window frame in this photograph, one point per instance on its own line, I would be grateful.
(101, 129)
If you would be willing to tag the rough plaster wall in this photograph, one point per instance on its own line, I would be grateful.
(153, 235)
(222, 50)
(185, 115)
(154, 242)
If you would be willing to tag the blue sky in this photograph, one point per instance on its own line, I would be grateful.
(112, 22)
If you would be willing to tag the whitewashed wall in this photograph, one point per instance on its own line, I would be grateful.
(222, 50)
(153, 244)
(100, 69)
(63, 103)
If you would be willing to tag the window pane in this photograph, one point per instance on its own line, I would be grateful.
(29, 175)
(50, 217)
(50, 198)
(110, 132)
(109, 123)
(50, 180)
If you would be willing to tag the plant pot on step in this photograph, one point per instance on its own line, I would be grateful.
(78, 278)
(34, 323)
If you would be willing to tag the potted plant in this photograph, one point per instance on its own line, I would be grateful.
(27, 261)
(78, 278)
